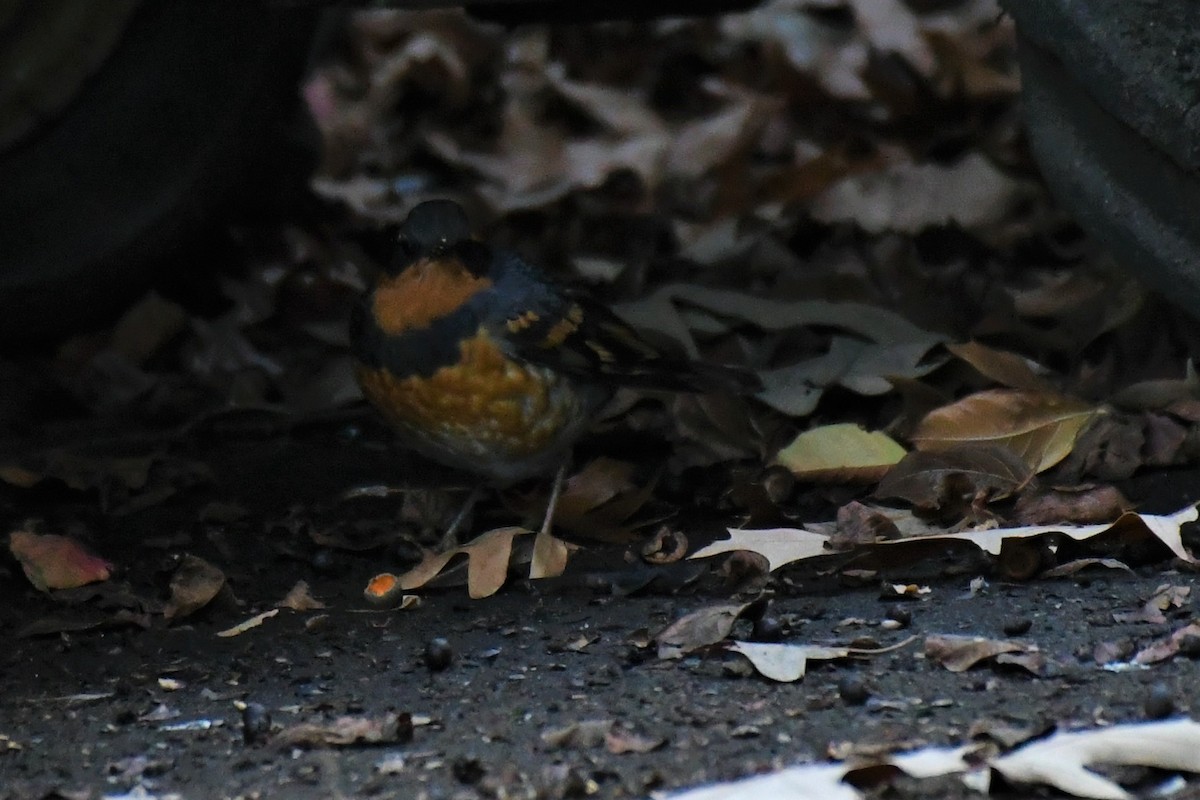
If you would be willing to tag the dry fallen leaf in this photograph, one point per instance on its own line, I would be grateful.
(956, 477)
(702, 628)
(1079, 505)
(582, 735)
(249, 624)
(1061, 760)
(300, 599)
(785, 662)
(194, 584)
(348, 731)
(56, 562)
(839, 453)
(487, 564)
(960, 653)
(779, 546)
(1007, 369)
(1040, 427)
(1169, 647)
(782, 546)
(1165, 598)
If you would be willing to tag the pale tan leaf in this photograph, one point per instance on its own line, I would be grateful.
(1039, 427)
(245, 625)
(778, 545)
(840, 452)
(549, 556)
(1062, 760)
(784, 663)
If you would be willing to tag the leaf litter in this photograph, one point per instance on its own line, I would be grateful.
(840, 205)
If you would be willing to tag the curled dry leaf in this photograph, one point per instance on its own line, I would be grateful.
(582, 735)
(702, 628)
(56, 562)
(1039, 427)
(194, 584)
(1165, 598)
(858, 524)
(300, 599)
(249, 624)
(1079, 505)
(1170, 646)
(1007, 369)
(487, 566)
(667, 546)
(785, 663)
(840, 453)
(349, 731)
(956, 477)
(619, 741)
(960, 653)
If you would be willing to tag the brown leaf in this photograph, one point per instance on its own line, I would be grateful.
(1039, 427)
(194, 584)
(701, 628)
(1164, 599)
(619, 741)
(488, 558)
(348, 731)
(598, 500)
(1005, 368)
(1080, 505)
(858, 524)
(582, 735)
(960, 653)
(299, 599)
(956, 477)
(56, 562)
(1169, 647)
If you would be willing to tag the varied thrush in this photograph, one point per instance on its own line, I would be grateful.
(483, 363)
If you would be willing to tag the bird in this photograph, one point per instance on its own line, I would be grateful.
(483, 363)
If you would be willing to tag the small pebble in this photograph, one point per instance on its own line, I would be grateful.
(1160, 703)
(438, 654)
(468, 770)
(256, 723)
(1017, 626)
(766, 629)
(1189, 646)
(324, 561)
(853, 691)
(900, 614)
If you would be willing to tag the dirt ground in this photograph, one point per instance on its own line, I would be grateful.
(123, 711)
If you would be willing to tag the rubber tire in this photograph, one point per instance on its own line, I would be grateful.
(157, 147)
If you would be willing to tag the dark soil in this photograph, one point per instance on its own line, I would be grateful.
(86, 713)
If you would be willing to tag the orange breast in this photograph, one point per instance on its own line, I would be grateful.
(485, 406)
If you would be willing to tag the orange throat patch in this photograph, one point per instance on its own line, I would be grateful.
(426, 291)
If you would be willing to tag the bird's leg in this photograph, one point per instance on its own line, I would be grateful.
(450, 537)
(548, 520)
